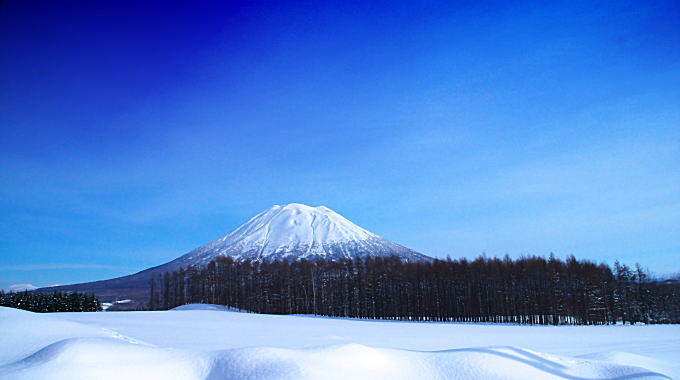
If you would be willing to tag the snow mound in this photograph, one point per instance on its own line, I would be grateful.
(104, 358)
(356, 361)
(626, 358)
(44, 346)
(204, 306)
(23, 332)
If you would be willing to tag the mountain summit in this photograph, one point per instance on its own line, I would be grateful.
(291, 232)
(294, 232)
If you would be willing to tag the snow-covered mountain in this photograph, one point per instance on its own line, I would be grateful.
(290, 232)
(19, 288)
(296, 231)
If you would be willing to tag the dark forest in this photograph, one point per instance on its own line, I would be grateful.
(529, 290)
(43, 302)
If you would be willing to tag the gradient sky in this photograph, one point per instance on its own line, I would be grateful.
(131, 133)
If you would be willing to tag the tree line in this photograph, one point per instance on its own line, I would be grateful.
(50, 302)
(528, 290)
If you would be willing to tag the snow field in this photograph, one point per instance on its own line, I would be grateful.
(208, 342)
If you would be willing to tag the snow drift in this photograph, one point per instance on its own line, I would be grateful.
(88, 358)
(81, 351)
(204, 306)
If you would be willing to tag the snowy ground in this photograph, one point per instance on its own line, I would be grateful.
(217, 343)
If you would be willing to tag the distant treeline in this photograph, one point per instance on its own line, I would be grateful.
(530, 290)
(50, 302)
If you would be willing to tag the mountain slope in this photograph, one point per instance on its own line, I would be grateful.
(290, 232)
(295, 232)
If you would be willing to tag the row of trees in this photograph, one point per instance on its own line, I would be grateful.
(50, 302)
(530, 290)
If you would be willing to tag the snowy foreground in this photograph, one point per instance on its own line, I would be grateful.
(210, 342)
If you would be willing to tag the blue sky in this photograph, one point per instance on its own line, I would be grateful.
(132, 133)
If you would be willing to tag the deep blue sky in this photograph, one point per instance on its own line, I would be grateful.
(130, 133)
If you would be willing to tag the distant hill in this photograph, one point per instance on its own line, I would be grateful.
(19, 288)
